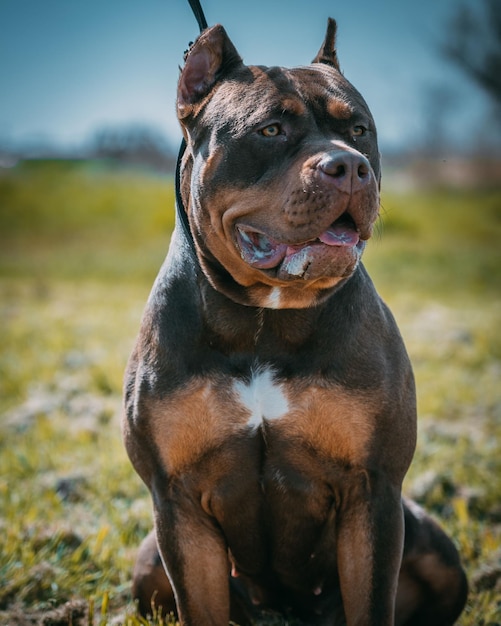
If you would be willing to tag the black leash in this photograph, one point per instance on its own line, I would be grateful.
(180, 209)
(199, 14)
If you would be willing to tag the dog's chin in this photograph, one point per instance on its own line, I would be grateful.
(334, 254)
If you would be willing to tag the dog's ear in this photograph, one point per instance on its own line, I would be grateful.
(327, 53)
(207, 60)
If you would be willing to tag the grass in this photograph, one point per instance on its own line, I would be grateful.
(83, 221)
(80, 245)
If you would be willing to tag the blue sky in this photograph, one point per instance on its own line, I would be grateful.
(69, 67)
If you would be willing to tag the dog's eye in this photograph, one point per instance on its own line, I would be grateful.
(273, 130)
(358, 131)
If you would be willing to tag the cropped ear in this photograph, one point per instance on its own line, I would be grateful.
(327, 53)
(209, 58)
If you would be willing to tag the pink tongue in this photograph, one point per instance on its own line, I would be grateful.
(340, 235)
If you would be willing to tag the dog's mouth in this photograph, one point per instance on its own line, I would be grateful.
(263, 252)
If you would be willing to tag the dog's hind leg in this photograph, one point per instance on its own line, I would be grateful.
(150, 586)
(432, 586)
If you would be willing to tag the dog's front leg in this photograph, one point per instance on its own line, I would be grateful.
(370, 542)
(195, 557)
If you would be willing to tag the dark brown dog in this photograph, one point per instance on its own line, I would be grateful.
(270, 405)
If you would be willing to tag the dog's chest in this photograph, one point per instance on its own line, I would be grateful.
(213, 412)
(264, 398)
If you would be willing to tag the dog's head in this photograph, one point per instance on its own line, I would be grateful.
(280, 178)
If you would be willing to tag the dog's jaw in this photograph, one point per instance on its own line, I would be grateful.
(290, 261)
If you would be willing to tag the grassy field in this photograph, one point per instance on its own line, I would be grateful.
(80, 245)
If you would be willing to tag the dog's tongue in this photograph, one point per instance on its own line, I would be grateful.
(342, 234)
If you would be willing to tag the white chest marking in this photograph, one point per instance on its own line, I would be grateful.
(274, 298)
(262, 396)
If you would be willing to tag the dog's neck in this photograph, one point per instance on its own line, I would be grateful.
(239, 328)
(246, 328)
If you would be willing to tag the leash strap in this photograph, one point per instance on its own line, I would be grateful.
(180, 209)
(181, 214)
(199, 14)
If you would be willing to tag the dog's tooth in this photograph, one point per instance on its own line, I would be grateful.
(296, 264)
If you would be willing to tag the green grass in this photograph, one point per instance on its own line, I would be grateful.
(80, 245)
(82, 221)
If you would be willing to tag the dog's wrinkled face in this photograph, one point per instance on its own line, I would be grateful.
(281, 174)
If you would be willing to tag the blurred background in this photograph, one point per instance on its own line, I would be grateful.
(88, 141)
(98, 79)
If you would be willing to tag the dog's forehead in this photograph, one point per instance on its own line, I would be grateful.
(321, 84)
(251, 95)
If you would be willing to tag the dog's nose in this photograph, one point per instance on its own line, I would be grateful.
(349, 172)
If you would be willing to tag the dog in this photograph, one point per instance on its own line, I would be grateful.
(269, 401)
